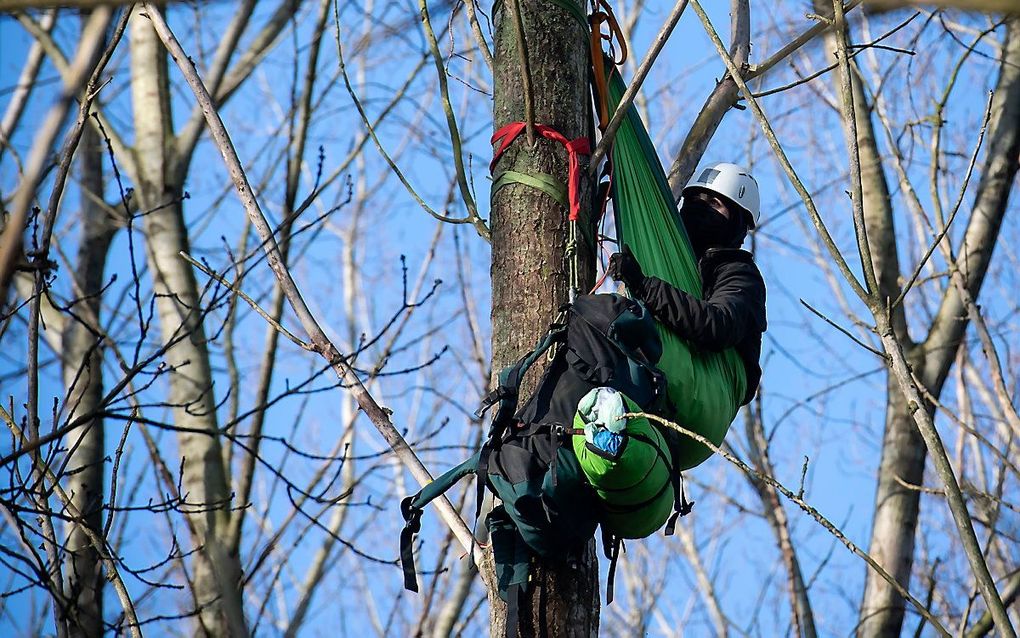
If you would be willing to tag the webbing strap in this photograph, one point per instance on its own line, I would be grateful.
(513, 610)
(681, 506)
(611, 546)
(542, 181)
(412, 507)
(413, 517)
(575, 149)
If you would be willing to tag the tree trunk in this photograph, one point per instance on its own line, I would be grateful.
(529, 268)
(775, 514)
(217, 571)
(83, 378)
(903, 453)
(896, 514)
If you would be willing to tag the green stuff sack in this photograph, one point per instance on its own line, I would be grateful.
(634, 485)
(705, 388)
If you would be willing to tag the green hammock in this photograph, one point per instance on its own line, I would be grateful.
(705, 388)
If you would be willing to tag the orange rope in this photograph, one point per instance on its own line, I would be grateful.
(602, 13)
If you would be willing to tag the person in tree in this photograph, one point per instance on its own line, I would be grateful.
(717, 209)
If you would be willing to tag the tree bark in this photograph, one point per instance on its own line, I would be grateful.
(529, 268)
(217, 570)
(82, 371)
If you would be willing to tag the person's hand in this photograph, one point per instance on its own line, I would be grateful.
(624, 267)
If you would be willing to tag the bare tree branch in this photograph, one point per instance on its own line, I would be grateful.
(988, 6)
(79, 72)
(719, 101)
(376, 413)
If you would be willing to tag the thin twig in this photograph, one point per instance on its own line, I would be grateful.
(858, 49)
(478, 223)
(236, 289)
(795, 44)
(877, 353)
(801, 503)
(451, 119)
(956, 208)
(112, 573)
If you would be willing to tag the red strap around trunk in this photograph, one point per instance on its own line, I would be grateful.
(575, 148)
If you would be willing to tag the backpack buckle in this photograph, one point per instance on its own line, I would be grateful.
(501, 393)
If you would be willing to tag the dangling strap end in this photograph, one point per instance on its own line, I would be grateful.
(611, 576)
(412, 515)
(513, 606)
(671, 523)
(685, 505)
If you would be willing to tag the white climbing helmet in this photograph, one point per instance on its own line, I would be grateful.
(732, 182)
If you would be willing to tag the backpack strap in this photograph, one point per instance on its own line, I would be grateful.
(506, 395)
(611, 546)
(513, 610)
(510, 378)
(512, 558)
(681, 506)
(411, 509)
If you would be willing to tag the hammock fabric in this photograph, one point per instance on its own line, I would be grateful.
(704, 388)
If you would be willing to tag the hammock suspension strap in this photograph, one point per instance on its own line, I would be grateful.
(575, 149)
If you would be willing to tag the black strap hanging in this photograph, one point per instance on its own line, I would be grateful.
(681, 506)
(611, 546)
(513, 606)
(413, 525)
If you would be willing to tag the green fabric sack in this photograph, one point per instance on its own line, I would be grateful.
(635, 488)
(704, 388)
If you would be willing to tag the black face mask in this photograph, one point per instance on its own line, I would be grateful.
(707, 228)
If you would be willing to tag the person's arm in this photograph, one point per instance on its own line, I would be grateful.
(735, 309)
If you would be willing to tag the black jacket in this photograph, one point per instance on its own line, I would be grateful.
(731, 315)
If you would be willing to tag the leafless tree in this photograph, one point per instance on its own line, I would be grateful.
(207, 303)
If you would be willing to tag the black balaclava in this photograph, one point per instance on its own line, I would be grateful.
(707, 228)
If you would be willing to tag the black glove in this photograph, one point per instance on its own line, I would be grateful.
(624, 267)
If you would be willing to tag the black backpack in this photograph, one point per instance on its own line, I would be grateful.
(547, 506)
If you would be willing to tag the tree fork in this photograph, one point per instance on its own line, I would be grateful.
(529, 267)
